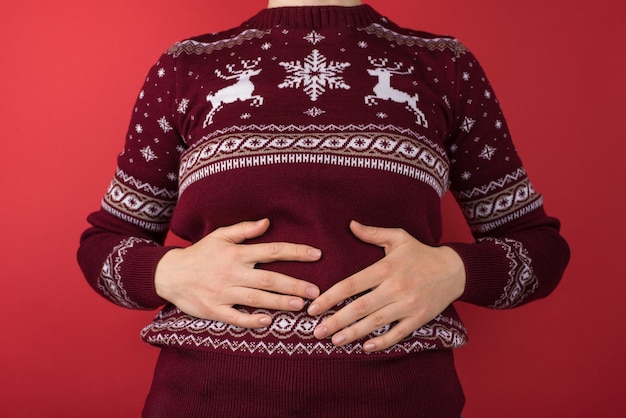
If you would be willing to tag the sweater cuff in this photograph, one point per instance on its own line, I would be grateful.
(486, 271)
(138, 271)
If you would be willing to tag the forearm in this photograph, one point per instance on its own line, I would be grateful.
(121, 267)
(511, 269)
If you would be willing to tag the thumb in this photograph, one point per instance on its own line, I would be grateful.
(382, 237)
(242, 231)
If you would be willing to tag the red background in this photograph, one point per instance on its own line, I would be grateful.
(70, 71)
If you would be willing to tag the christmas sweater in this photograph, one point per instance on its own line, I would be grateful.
(313, 117)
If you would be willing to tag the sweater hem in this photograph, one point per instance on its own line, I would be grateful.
(191, 383)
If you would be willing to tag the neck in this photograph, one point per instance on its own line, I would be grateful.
(291, 3)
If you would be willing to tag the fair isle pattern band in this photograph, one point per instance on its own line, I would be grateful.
(374, 150)
(166, 194)
(492, 211)
(137, 208)
(110, 281)
(291, 333)
(431, 44)
(329, 129)
(522, 280)
(495, 185)
(191, 47)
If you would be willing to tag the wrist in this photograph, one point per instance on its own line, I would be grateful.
(456, 270)
(164, 272)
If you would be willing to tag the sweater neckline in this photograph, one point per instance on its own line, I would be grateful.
(314, 17)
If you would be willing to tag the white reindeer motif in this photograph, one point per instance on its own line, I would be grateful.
(384, 91)
(242, 90)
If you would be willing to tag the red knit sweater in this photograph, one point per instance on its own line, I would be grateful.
(312, 117)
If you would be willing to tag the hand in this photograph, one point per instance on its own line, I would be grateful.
(412, 284)
(209, 277)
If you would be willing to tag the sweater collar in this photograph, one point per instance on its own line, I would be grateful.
(314, 17)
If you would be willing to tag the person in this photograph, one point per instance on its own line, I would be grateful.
(304, 155)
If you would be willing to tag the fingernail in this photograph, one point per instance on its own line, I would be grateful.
(314, 252)
(296, 303)
(314, 309)
(265, 320)
(369, 347)
(312, 292)
(339, 339)
(320, 332)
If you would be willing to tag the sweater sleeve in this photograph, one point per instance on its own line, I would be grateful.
(518, 254)
(118, 254)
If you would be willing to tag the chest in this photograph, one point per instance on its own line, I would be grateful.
(353, 81)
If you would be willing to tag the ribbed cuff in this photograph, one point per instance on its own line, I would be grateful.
(486, 270)
(138, 271)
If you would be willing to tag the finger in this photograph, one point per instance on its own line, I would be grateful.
(280, 251)
(396, 333)
(366, 279)
(349, 316)
(374, 321)
(279, 283)
(242, 231)
(256, 298)
(232, 316)
(381, 237)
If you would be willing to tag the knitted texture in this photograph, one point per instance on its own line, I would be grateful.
(313, 117)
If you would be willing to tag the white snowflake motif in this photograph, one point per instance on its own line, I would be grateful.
(487, 152)
(498, 124)
(487, 94)
(314, 112)
(466, 175)
(466, 76)
(314, 37)
(148, 154)
(138, 128)
(362, 44)
(382, 115)
(446, 101)
(315, 74)
(183, 106)
(164, 124)
(172, 177)
(142, 94)
(245, 116)
(454, 147)
(180, 149)
(266, 46)
(468, 124)
(161, 72)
